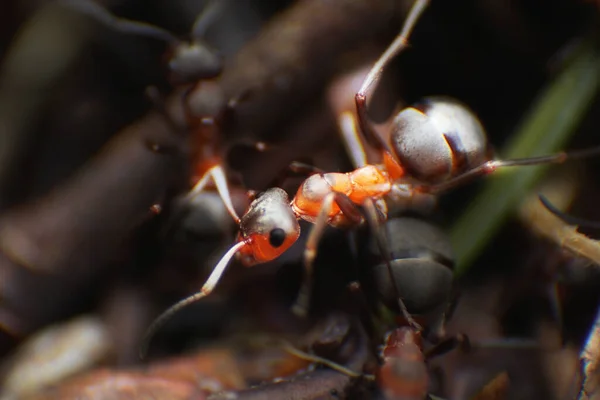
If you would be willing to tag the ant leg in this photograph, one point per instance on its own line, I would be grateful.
(566, 218)
(217, 175)
(305, 169)
(302, 302)
(299, 168)
(371, 321)
(398, 45)
(384, 249)
(350, 211)
(206, 289)
(435, 332)
(350, 137)
(492, 165)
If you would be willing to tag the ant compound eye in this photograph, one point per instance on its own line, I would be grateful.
(276, 237)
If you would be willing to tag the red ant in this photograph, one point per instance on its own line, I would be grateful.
(437, 145)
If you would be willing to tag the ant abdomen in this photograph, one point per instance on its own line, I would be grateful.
(422, 266)
(437, 139)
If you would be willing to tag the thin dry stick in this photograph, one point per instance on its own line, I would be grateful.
(55, 246)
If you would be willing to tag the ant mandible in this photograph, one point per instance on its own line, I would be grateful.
(437, 144)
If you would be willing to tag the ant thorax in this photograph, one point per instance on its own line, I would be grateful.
(368, 182)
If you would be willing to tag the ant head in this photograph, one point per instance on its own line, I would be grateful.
(192, 61)
(268, 228)
(437, 139)
(421, 263)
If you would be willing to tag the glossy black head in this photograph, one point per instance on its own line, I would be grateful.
(422, 262)
(437, 139)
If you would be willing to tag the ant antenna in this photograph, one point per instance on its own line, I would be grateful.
(94, 10)
(206, 289)
(566, 218)
(491, 166)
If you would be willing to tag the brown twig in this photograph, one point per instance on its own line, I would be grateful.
(54, 247)
(293, 57)
(35, 62)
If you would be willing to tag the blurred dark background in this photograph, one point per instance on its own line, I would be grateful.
(78, 173)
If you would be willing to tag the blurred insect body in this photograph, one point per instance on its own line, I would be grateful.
(422, 263)
(419, 270)
(436, 145)
(403, 374)
(187, 61)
